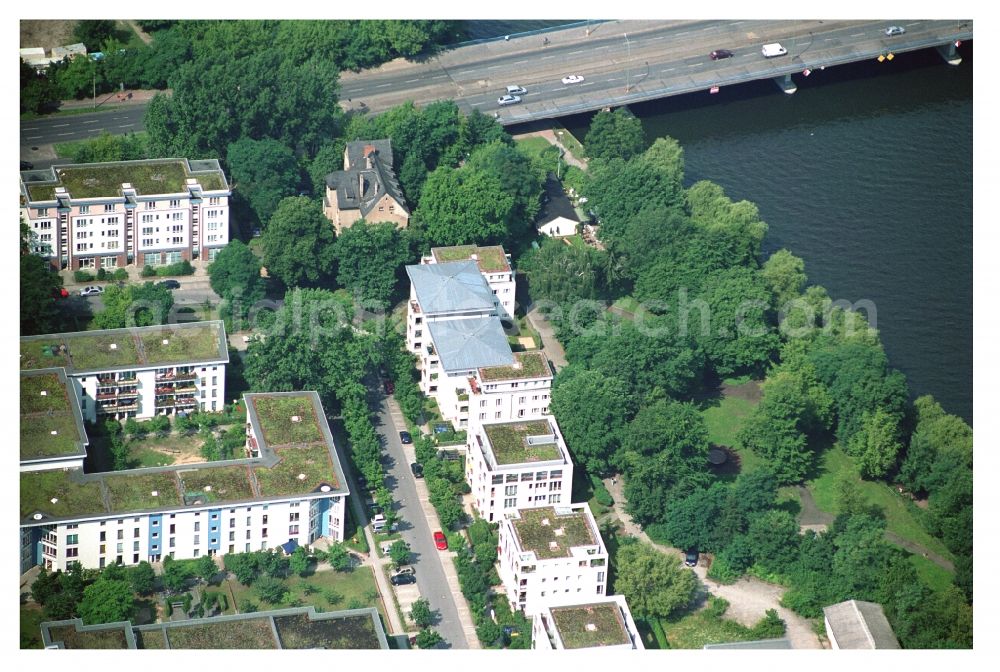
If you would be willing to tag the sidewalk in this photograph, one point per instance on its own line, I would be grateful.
(550, 345)
(450, 574)
(105, 101)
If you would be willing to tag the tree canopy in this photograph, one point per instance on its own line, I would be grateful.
(107, 601)
(369, 258)
(298, 243)
(264, 171)
(134, 305)
(654, 584)
(614, 134)
(592, 409)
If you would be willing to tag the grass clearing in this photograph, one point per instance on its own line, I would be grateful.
(696, 629)
(354, 588)
(833, 463)
(934, 576)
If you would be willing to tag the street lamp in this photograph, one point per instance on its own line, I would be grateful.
(628, 59)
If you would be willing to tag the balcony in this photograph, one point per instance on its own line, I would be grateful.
(175, 377)
(104, 396)
(186, 401)
(186, 389)
(414, 307)
(462, 395)
(474, 386)
(165, 390)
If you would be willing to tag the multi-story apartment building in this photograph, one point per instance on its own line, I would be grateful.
(108, 215)
(604, 623)
(517, 465)
(552, 556)
(140, 371)
(366, 188)
(494, 265)
(501, 393)
(289, 486)
(293, 628)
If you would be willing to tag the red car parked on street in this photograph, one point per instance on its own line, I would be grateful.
(440, 541)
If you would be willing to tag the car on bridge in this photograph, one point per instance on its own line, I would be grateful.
(572, 79)
(515, 90)
(720, 54)
(894, 30)
(773, 49)
(508, 100)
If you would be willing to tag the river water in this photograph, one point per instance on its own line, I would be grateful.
(865, 173)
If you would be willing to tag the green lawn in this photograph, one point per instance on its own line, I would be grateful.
(834, 462)
(69, 149)
(355, 587)
(724, 421)
(934, 576)
(576, 240)
(695, 630)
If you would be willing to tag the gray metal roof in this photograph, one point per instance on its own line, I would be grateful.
(361, 184)
(456, 286)
(468, 344)
(860, 625)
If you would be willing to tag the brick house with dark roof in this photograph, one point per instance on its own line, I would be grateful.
(366, 188)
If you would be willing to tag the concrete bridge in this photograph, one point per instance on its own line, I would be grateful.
(625, 62)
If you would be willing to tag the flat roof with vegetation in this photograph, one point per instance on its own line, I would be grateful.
(104, 180)
(585, 625)
(532, 364)
(509, 442)
(550, 534)
(491, 259)
(51, 422)
(130, 348)
(300, 466)
(293, 628)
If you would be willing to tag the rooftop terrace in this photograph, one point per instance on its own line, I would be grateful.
(531, 364)
(509, 442)
(490, 259)
(296, 628)
(136, 347)
(587, 625)
(550, 534)
(96, 180)
(287, 469)
(51, 424)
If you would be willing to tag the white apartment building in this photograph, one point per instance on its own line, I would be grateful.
(552, 556)
(605, 623)
(138, 372)
(109, 215)
(494, 265)
(517, 465)
(289, 486)
(518, 391)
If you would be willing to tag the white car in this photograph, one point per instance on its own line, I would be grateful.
(894, 30)
(572, 79)
(516, 90)
(91, 290)
(508, 100)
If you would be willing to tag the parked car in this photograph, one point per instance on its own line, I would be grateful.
(508, 100)
(515, 90)
(572, 79)
(91, 290)
(402, 579)
(894, 30)
(720, 53)
(404, 570)
(417, 469)
(405, 437)
(440, 541)
(388, 386)
(691, 557)
(169, 284)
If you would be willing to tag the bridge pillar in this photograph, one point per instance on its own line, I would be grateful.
(786, 84)
(949, 54)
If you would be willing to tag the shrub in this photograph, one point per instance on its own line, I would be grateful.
(83, 276)
(769, 627)
(148, 271)
(120, 275)
(332, 597)
(248, 607)
(270, 589)
(717, 607)
(602, 496)
(187, 602)
(180, 268)
(356, 603)
(170, 608)
(102, 274)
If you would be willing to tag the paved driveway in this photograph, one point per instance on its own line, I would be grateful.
(413, 527)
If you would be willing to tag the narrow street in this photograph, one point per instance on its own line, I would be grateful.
(433, 567)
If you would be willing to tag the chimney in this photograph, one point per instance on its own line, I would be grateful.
(369, 151)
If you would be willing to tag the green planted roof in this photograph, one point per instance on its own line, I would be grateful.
(528, 365)
(509, 442)
(50, 426)
(148, 178)
(490, 259)
(586, 625)
(551, 535)
(300, 469)
(215, 484)
(73, 498)
(140, 347)
(134, 491)
(286, 419)
(252, 633)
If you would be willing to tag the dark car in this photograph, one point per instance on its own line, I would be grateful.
(405, 437)
(170, 284)
(691, 558)
(720, 53)
(402, 579)
(417, 469)
(388, 386)
(27, 165)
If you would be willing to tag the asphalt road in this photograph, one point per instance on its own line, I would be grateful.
(413, 528)
(61, 128)
(193, 292)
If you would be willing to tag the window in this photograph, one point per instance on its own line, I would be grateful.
(498, 414)
(265, 519)
(482, 416)
(497, 479)
(554, 499)
(510, 503)
(135, 545)
(248, 518)
(119, 547)
(41, 212)
(150, 205)
(72, 552)
(197, 526)
(232, 536)
(510, 490)
(172, 526)
(248, 534)
(175, 203)
(555, 485)
(109, 207)
(156, 535)
(293, 529)
(197, 552)
(263, 533)
(482, 404)
(103, 535)
(232, 523)
(600, 576)
(197, 539)
(135, 533)
(293, 517)
(121, 533)
(72, 538)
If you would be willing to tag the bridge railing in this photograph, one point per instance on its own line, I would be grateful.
(527, 33)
